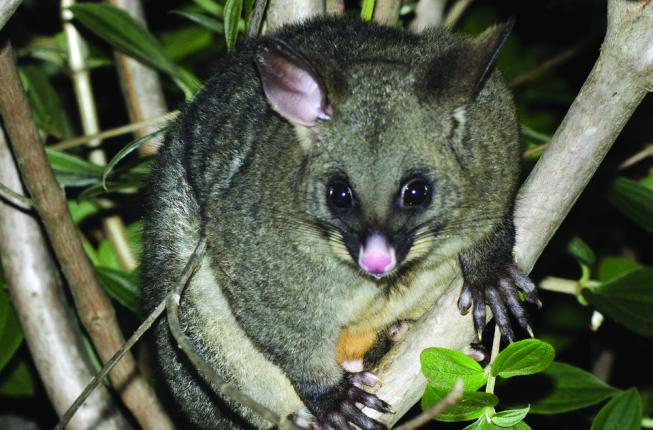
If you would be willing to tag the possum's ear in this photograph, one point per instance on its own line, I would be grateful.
(462, 71)
(292, 86)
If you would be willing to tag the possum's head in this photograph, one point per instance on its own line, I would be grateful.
(391, 169)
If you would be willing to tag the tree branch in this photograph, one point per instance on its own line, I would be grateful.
(95, 310)
(140, 85)
(386, 12)
(7, 9)
(37, 295)
(282, 12)
(612, 91)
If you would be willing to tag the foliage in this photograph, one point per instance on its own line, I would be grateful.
(603, 249)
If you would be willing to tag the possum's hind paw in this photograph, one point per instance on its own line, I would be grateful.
(499, 292)
(342, 407)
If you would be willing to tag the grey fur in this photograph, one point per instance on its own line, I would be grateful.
(272, 297)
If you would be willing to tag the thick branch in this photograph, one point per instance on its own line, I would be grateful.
(35, 288)
(94, 308)
(613, 90)
(140, 84)
(7, 9)
(386, 12)
(282, 12)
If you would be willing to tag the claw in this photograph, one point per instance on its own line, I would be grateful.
(465, 300)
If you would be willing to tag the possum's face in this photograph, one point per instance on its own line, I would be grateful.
(383, 181)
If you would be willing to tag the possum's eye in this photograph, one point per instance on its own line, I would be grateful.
(415, 193)
(340, 195)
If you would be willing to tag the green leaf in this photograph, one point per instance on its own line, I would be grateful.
(613, 267)
(124, 33)
(232, 12)
(442, 367)
(203, 20)
(483, 424)
(634, 200)
(523, 358)
(125, 151)
(510, 417)
(81, 210)
(627, 299)
(471, 406)
(11, 334)
(17, 381)
(46, 104)
(573, 388)
(121, 286)
(581, 251)
(210, 6)
(526, 131)
(367, 10)
(622, 412)
(73, 171)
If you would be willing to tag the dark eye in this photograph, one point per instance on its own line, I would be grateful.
(416, 192)
(340, 195)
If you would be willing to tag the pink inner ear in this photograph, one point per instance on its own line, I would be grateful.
(291, 87)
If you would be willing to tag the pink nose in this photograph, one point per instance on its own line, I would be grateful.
(377, 256)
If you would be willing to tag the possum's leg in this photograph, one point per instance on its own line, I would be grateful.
(492, 278)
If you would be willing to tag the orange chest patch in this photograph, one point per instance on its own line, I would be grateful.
(353, 344)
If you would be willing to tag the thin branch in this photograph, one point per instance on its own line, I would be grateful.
(256, 23)
(634, 159)
(496, 344)
(7, 9)
(614, 88)
(14, 197)
(428, 14)
(386, 12)
(113, 132)
(94, 308)
(560, 285)
(113, 226)
(551, 63)
(281, 12)
(140, 84)
(228, 390)
(427, 416)
(456, 12)
(32, 280)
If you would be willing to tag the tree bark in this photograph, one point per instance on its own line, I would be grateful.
(616, 85)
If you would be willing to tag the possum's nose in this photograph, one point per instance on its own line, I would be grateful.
(376, 256)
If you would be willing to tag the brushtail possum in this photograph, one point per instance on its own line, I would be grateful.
(334, 168)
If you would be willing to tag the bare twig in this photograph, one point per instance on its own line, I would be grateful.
(536, 150)
(549, 64)
(386, 12)
(634, 159)
(14, 197)
(456, 12)
(113, 226)
(282, 12)
(95, 310)
(616, 85)
(36, 291)
(427, 416)
(256, 23)
(173, 301)
(7, 9)
(140, 85)
(496, 343)
(428, 13)
(113, 132)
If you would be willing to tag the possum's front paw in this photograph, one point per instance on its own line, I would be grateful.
(498, 290)
(340, 408)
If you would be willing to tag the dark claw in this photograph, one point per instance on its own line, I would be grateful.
(511, 299)
(465, 299)
(479, 313)
(339, 409)
(368, 399)
(499, 310)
